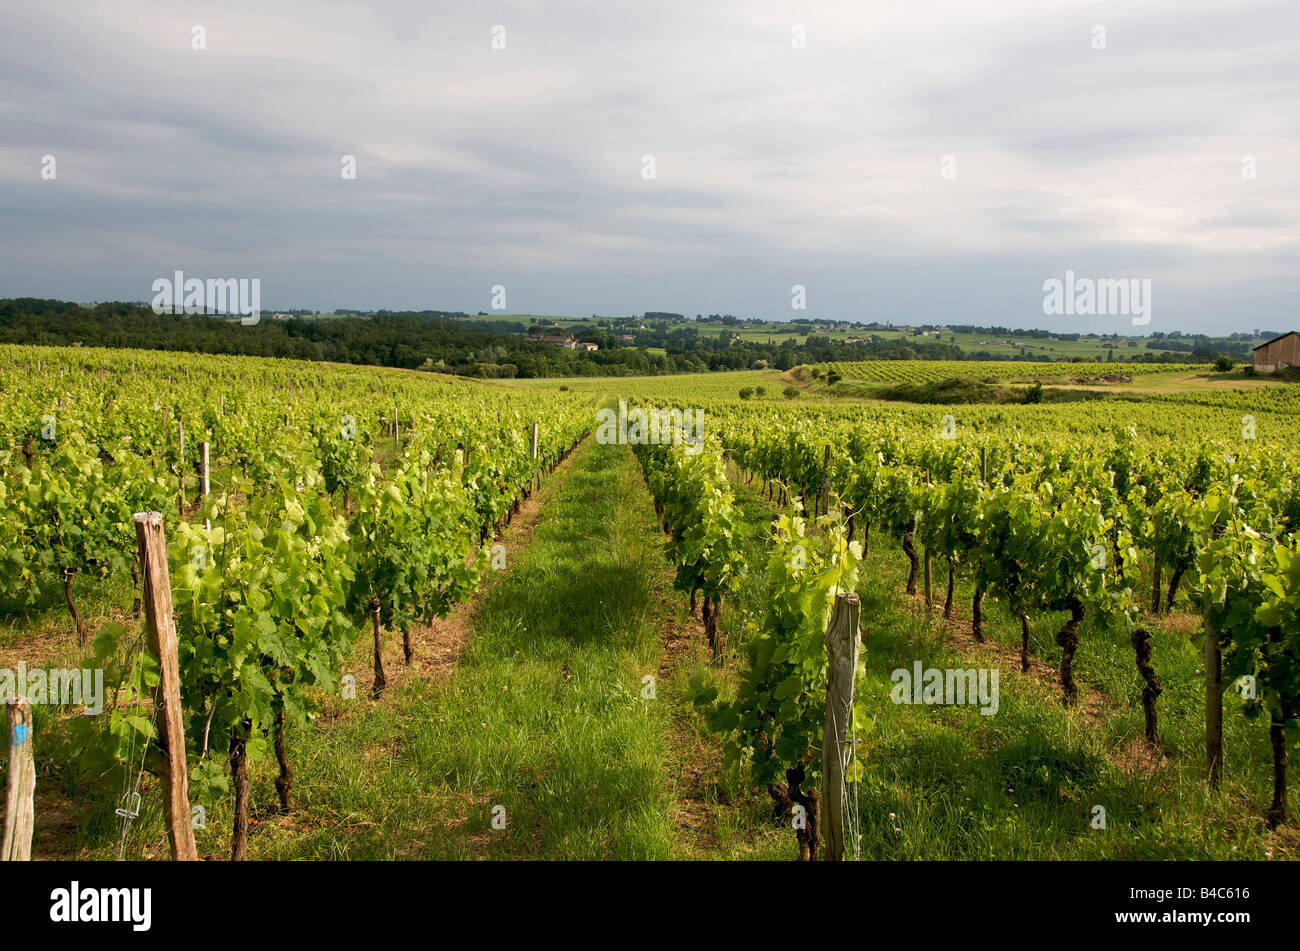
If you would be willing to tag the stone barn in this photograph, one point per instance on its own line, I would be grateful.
(1278, 354)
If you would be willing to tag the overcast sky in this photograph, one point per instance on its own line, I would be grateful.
(773, 165)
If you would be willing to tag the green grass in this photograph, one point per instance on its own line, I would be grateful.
(542, 715)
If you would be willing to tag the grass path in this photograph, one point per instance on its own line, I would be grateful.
(541, 723)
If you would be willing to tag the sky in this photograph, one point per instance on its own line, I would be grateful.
(914, 162)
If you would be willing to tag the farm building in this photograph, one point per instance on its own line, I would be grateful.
(567, 342)
(1278, 354)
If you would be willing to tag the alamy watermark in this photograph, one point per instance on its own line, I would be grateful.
(62, 686)
(77, 904)
(1106, 297)
(948, 686)
(240, 297)
(654, 427)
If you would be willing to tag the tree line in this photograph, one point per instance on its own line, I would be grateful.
(441, 341)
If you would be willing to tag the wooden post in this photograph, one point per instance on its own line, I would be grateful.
(20, 808)
(160, 626)
(929, 600)
(1213, 702)
(534, 440)
(395, 429)
(843, 642)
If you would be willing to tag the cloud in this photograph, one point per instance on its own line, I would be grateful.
(774, 165)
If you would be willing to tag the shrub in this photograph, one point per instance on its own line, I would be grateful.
(790, 392)
(1224, 363)
(746, 392)
(760, 391)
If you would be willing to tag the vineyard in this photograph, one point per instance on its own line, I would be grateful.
(642, 668)
(926, 371)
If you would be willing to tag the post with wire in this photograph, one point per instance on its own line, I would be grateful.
(839, 809)
(161, 628)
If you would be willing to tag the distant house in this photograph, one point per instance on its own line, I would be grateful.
(1278, 353)
(567, 342)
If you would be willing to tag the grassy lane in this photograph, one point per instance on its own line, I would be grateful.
(542, 716)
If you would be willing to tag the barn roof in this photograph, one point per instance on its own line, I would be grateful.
(1289, 333)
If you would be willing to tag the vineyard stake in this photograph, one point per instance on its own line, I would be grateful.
(161, 628)
(929, 601)
(1213, 702)
(20, 808)
(843, 643)
(534, 440)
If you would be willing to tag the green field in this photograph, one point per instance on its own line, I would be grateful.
(565, 702)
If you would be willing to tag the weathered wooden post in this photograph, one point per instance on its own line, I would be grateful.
(380, 680)
(160, 626)
(20, 808)
(1213, 701)
(843, 643)
(534, 440)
